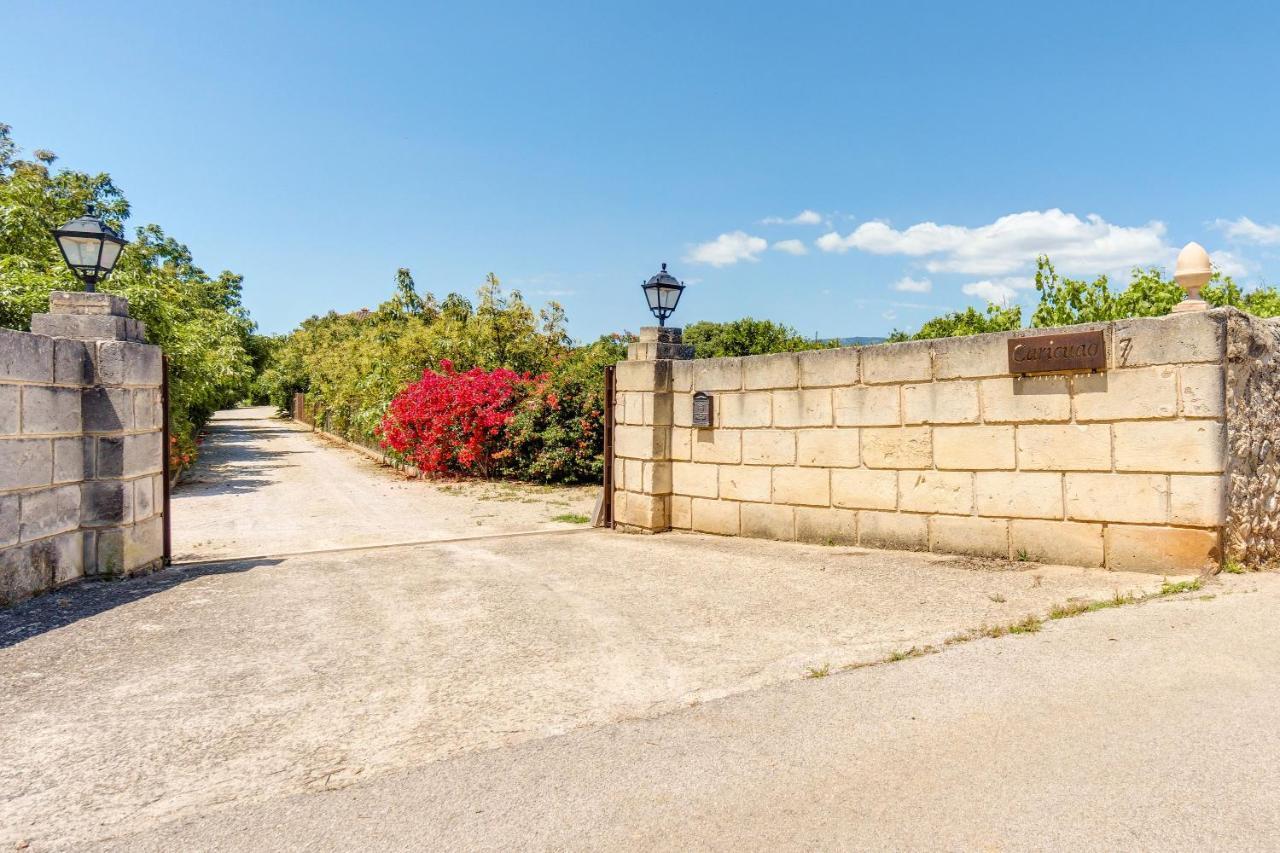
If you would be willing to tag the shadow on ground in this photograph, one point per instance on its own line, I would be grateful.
(62, 608)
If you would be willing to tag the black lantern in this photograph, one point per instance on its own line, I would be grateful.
(663, 293)
(90, 247)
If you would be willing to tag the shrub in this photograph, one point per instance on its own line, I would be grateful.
(557, 432)
(451, 423)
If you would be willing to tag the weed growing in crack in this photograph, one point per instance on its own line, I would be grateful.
(571, 518)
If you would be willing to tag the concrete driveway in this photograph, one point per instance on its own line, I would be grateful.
(222, 684)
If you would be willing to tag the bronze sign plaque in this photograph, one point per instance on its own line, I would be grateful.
(702, 409)
(1058, 353)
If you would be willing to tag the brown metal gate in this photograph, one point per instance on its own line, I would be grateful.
(609, 416)
(167, 454)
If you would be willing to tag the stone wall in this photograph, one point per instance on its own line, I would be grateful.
(81, 452)
(934, 445)
(1253, 433)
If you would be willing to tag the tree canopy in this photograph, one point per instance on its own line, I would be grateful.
(198, 319)
(1068, 301)
(747, 336)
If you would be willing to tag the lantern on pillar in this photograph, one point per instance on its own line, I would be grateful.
(662, 290)
(90, 247)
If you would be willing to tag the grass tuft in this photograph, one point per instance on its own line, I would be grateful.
(1168, 588)
(571, 518)
(818, 671)
(1027, 625)
(1232, 567)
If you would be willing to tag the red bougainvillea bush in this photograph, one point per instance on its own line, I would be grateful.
(451, 423)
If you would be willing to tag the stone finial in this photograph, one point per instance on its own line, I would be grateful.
(88, 317)
(1193, 272)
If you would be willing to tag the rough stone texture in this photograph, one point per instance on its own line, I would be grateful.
(1068, 447)
(47, 410)
(893, 530)
(1058, 542)
(826, 526)
(25, 357)
(773, 371)
(711, 516)
(940, 403)
(48, 512)
(768, 521)
(743, 483)
(974, 448)
(768, 447)
(802, 486)
(864, 489)
(828, 448)
(802, 408)
(867, 405)
(979, 537)
(829, 367)
(909, 447)
(10, 409)
(1252, 531)
(79, 302)
(936, 491)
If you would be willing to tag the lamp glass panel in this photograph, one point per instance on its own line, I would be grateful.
(110, 254)
(80, 251)
(651, 294)
(669, 297)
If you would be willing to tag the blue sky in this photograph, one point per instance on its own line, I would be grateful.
(926, 151)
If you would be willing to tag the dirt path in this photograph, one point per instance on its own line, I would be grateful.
(269, 486)
(130, 704)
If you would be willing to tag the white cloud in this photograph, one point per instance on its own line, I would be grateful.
(728, 249)
(1245, 230)
(804, 217)
(1000, 294)
(1229, 263)
(1086, 246)
(791, 247)
(890, 315)
(907, 284)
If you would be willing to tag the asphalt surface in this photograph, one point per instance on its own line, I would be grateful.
(1151, 727)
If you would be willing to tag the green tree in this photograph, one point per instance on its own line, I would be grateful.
(747, 336)
(967, 322)
(198, 320)
(1068, 301)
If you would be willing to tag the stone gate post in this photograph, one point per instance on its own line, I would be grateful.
(98, 344)
(642, 435)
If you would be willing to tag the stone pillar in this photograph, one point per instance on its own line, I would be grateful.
(642, 433)
(121, 495)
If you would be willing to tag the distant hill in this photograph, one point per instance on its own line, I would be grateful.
(859, 342)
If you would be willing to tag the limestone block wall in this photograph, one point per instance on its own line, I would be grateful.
(81, 453)
(934, 445)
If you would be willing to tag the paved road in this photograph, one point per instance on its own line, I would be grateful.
(211, 689)
(1154, 727)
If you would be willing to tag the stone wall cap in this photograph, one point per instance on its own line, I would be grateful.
(78, 302)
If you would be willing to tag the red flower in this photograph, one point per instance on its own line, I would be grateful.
(450, 422)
